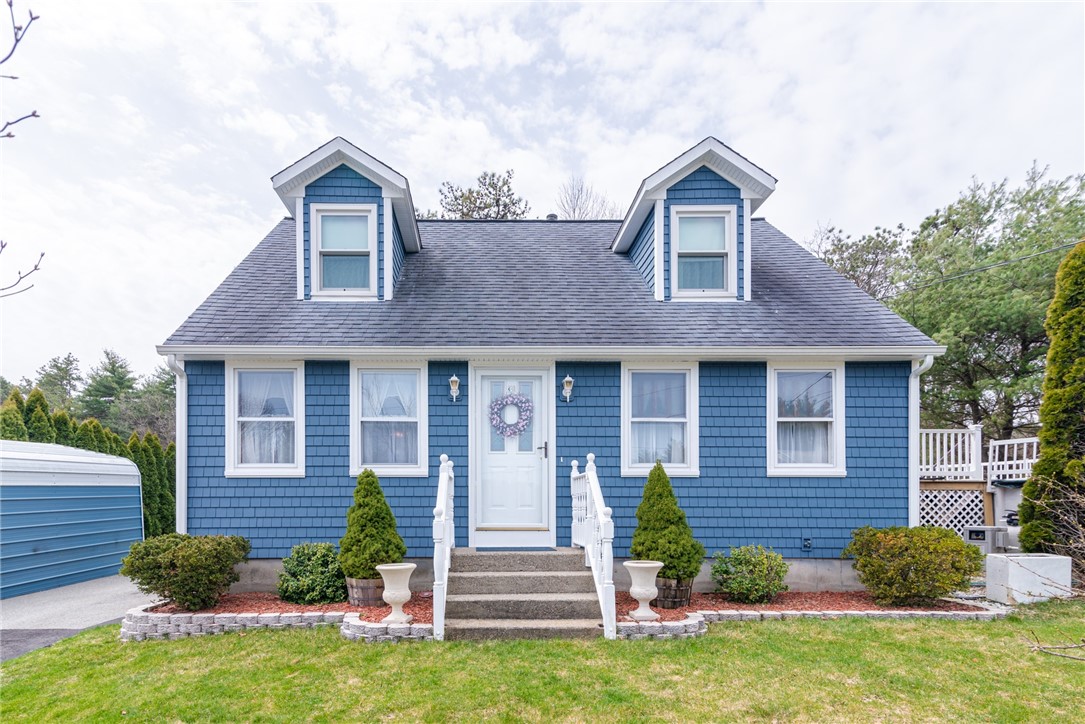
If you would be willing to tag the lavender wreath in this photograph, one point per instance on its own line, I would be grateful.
(524, 407)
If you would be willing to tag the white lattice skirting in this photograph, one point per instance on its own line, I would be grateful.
(954, 509)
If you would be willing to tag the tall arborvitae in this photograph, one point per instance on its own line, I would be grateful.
(40, 428)
(16, 398)
(85, 437)
(171, 484)
(165, 501)
(12, 426)
(1062, 412)
(65, 428)
(147, 484)
(36, 401)
(101, 437)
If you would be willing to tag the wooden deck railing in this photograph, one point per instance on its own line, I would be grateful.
(593, 530)
(444, 540)
(951, 454)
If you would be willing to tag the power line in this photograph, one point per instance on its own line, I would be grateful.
(969, 272)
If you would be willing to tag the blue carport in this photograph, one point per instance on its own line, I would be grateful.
(66, 515)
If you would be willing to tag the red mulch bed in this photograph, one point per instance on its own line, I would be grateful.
(420, 606)
(788, 601)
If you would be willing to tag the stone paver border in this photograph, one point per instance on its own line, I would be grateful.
(355, 629)
(696, 624)
(139, 624)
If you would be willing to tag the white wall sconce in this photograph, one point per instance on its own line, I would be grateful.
(567, 388)
(454, 388)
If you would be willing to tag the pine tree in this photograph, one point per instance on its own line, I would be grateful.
(65, 428)
(16, 398)
(1062, 412)
(662, 533)
(106, 384)
(371, 539)
(41, 427)
(12, 426)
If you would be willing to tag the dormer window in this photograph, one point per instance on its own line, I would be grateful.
(344, 249)
(703, 258)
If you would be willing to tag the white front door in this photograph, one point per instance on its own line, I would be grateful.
(513, 494)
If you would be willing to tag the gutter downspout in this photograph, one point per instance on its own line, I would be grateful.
(918, 368)
(181, 435)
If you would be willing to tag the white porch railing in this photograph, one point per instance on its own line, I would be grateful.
(1012, 460)
(593, 530)
(951, 454)
(444, 540)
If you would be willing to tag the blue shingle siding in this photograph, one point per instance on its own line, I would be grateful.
(590, 423)
(54, 535)
(732, 503)
(642, 252)
(702, 187)
(277, 513)
(343, 185)
(398, 252)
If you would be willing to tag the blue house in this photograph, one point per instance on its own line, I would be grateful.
(782, 400)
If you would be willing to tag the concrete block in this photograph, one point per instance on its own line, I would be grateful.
(225, 619)
(175, 636)
(421, 629)
(771, 615)
(158, 618)
(651, 628)
(248, 619)
(141, 617)
(179, 618)
(399, 629)
(750, 615)
(203, 618)
(267, 618)
(312, 617)
(1014, 578)
(710, 615)
(336, 617)
(729, 615)
(637, 637)
(662, 636)
(290, 619)
(376, 629)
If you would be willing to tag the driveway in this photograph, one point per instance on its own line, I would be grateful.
(36, 620)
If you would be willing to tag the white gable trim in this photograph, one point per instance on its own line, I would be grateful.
(339, 151)
(755, 183)
(299, 234)
(747, 247)
(659, 282)
(389, 240)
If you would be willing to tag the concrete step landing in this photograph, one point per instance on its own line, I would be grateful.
(508, 629)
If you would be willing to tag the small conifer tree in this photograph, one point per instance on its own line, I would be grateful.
(164, 501)
(40, 428)
(36, 401)
(371, 538)
(65, 428)
(101, 437)
(662, 533)
(12, 426)
(171, 485)
(1062, 412)
(148, 484)
(84, 436)
(16, 398)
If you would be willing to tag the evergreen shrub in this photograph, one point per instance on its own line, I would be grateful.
(901, 565)
(40, 428)
(191, 571)
(662, 533)
(312, 574)
(12, 426)
(371, 538)
(751, 574)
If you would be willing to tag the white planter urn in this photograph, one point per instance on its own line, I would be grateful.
(397, 589)
(643, 588)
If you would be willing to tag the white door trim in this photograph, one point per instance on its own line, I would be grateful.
(475, 396)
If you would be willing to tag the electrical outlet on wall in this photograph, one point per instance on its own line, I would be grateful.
(808, 544)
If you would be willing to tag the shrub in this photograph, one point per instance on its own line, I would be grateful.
(40, 428)
(371, 538)
(65, 428)
(36, 401)
(191, 571)
(1061, 466)
(902, 565)
(312, 574)
(662, 532)
(12, 426)
(751, 574)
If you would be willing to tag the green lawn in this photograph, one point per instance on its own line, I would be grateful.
(848, 669)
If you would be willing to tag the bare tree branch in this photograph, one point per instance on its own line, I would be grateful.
(18, 32)
(6, 291)
(577, 200)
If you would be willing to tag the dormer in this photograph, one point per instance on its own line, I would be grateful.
(688, 230)
(355, 223)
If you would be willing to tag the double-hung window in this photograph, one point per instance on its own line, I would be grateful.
(265, 419)
(659, 419)
(703, 251)
(344, 249)
(806, 420)
(388, 420)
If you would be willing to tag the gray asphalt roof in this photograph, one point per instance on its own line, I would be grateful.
(500, 283)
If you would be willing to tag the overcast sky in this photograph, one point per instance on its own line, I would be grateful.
(147, 178)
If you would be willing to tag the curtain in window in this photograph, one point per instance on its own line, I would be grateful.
(804, 408)
(658, 417)
(265, 403)
(389, 418)
(701, 272)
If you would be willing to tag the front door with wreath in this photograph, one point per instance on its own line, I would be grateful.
(513, 496)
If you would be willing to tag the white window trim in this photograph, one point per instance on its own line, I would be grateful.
(420, 470)
(730, 214)
(316, 259)
(838, 468)
(693, 426)
(235, 469)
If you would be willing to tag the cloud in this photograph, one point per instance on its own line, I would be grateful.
(146, 180)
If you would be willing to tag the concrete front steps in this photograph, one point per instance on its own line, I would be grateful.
(520, 595)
